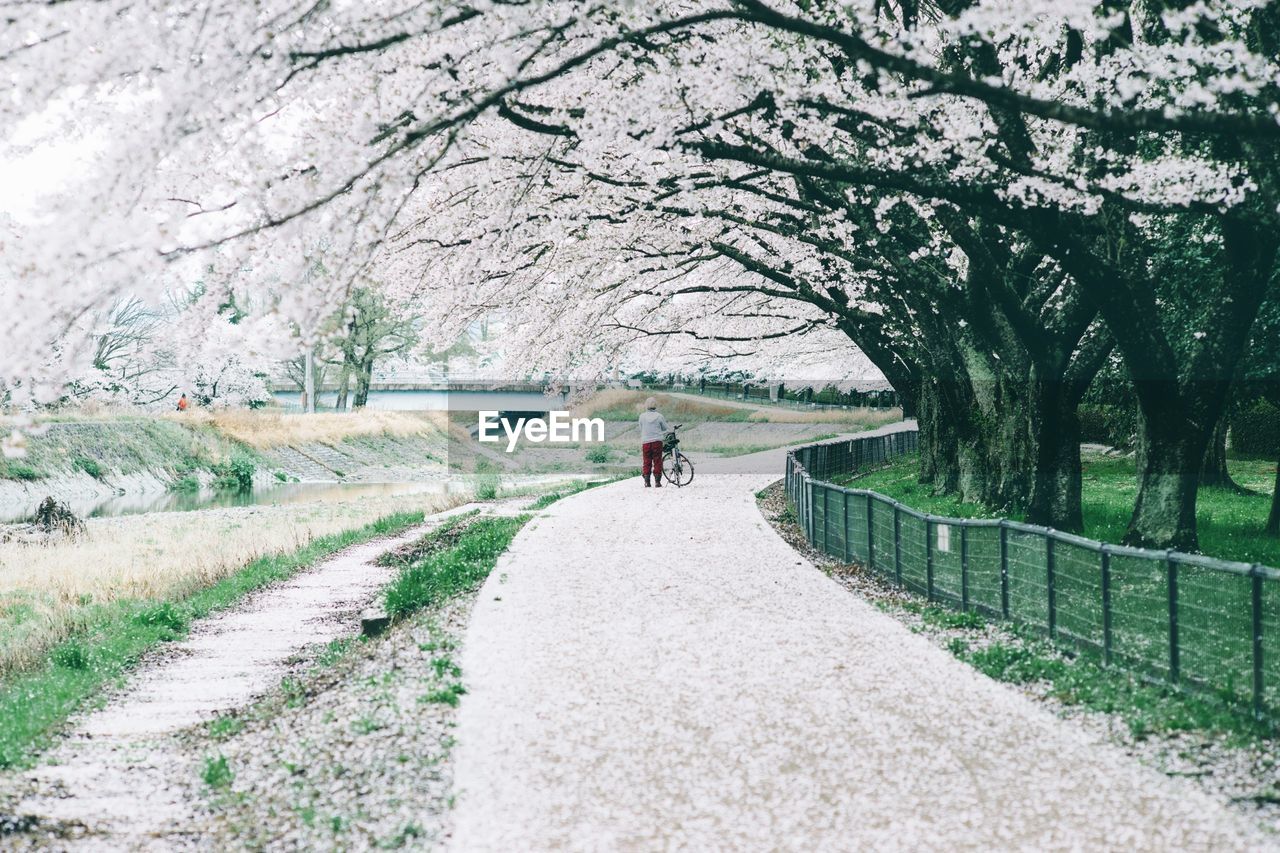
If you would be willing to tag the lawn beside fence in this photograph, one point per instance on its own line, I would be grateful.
(1230, 524)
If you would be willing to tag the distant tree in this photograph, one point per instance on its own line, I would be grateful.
(368, 329)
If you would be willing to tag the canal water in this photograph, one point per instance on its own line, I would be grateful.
(277, 494)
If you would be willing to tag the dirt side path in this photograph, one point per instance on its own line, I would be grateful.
(121, 780)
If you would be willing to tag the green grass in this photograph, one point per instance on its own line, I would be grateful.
(551, 497)
(89, 466)
(739, 449)
(487, 480)
(216, 772)
(1229, 524)
(221, 728)
(463, 566)
(1145, 706)
(18, 471)
(1214, 610)
(33, 705)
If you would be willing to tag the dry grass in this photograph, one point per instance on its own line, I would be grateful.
(264, 430)
(616, 402)
(46, 593)
(861, 417)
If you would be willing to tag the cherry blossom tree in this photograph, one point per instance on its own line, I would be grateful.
(740, 176)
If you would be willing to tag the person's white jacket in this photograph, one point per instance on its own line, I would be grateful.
(653, 427)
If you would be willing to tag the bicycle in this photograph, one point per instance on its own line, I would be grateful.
(676, 467)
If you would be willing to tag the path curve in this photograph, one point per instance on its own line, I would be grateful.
(659, 670)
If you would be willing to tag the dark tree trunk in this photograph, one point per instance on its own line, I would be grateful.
(1055, 475)
(1171, 449)
(939, 442)
(1214, 470)
(1273, 520)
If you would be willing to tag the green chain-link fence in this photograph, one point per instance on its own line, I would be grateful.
(1205, 624)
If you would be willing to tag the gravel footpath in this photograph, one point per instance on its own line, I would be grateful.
(659, 670)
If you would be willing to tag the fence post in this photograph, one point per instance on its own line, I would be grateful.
(897, 544)
(964, 568)
(928, 559)
(826, 519)
(844, 511)
(1050, 586)
(871, 561)
(1004, 570)
(1171, 569)
(1257, 641)
(808, 509)
(1106, 606)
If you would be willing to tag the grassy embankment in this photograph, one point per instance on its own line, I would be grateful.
(1230, 524)
(725, 429)
(61, 670)
(621, 405)
(119, 445)
(227, 447)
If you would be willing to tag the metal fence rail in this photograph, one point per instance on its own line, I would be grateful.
(1205, 624)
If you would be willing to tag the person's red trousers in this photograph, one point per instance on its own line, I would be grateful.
(651, 453)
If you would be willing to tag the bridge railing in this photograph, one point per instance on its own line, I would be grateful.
(1203, 624)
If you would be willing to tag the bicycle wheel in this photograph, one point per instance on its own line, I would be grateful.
(678, 469)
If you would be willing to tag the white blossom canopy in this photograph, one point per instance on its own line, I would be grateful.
(680, 180)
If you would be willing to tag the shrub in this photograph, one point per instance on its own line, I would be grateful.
(71, 655)
(172, 618)
(236, 473)
(1114, 426)
(189, 483)
(87, 465)
(599, 454)
(282, 476)
(487, 480)
(1255, 430)
(18, 471)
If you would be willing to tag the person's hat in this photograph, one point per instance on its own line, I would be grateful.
(651, 403)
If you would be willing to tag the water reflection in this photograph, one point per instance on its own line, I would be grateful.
(282, 493)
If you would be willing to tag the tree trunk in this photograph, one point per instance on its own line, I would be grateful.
(1273, 520)
(1055, 473)
(939, 443)
(364, 377)
(344, 388)
(1214, 470)
(1171, 452)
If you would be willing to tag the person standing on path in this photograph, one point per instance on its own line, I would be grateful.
(653, 429)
